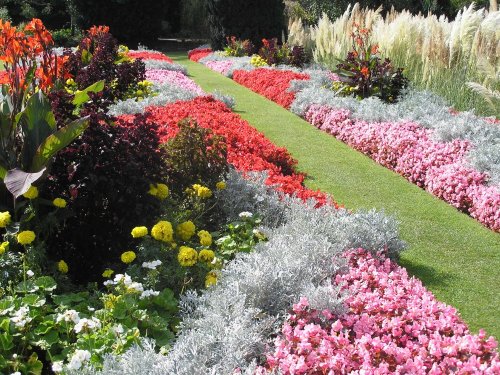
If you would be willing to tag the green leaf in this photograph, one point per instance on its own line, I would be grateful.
(37, 122)
(52, 337)
(57, 141)
(86, 57)
(33, 300)
(70, 298)
(34, 366)
(6, 341)
(44, 328)
(166, 300)
(5, 324)
(46, 283)
(83, 96)
(18, 182)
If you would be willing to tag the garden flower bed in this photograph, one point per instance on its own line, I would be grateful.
(433, 148)
(180, 238)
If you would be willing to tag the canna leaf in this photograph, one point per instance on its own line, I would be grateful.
(18, 182)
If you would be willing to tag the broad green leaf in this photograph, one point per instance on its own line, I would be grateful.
(83, 96)
(57, 141)
(86, 57)
(6, 341)
(5, 324)
(33, 300)
(34, 366)
(46, 283)
(37, 122)
(18, 182)
(166, 300)
(3, 172)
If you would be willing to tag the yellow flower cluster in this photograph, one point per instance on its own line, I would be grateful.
(59, 202)
(159, 191)
(5, 219)
(221, 185)
(202, 191)
(32, 193)
(187, 256)
(139, 232)
(186, 230)
(107, 272)
(210, 279)
(128, 257)
(258, 61)
(144, 89)
(62, 266)
(3, 247)
(206, 256)
(26, 237)
(205, 238)
(163, 231)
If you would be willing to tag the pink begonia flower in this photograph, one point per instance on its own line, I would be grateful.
(175, 78)
(411, 151)
(392, 325)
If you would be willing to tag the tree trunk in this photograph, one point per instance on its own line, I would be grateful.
(493, 5)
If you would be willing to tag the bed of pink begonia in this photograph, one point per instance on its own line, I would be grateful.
(173, 77)
(393, 325)
(408, 149)
(220, 66)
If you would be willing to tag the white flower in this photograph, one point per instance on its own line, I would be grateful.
(87, 324)
(30, 273)
(16, 373)
(149, 293)
(118, 329)
(68, 316)
(20, 317)
(78, 358)
(90, 308)
(152, 265)
(57, 366)
(135, 287)
(108, 282)
(245, 215)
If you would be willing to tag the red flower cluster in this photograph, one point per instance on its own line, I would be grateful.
(197, 54)
(248, 150)
(271, 83)
(148, 55)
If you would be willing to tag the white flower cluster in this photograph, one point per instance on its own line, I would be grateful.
(79, 358)
(68, 316)
(87, 325)
(149, 293)
(245, 215)
(152, 265)
(20, 317)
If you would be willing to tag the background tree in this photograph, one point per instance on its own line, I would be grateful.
(245, 19)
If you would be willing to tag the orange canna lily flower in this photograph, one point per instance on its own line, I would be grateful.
(365, 71)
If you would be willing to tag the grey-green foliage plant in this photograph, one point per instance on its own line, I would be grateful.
(229, 325)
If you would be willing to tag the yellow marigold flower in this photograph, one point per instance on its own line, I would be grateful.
(59, 202)
(221, 185)
(206, 256)
(32, 193)
(186, 230)
(138, 232)
(3, 247)
(153, 190)
(187, 256)
(128, 257)
(5, 219)
(210, 279)
(26, 237)
(202, 191)
(205, 238)
(107, 272)
(163, 231)
(62, 266)
(162, 191)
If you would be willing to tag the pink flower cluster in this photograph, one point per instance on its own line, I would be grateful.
(175, 78)
(220, 66)
(393, 326)
(409, 150)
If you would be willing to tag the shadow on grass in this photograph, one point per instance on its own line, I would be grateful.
(428, 275)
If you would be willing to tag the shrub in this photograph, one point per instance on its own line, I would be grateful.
(195, 155)
(274, 54)
(105, 176)
(238, 48)
(67, 37)
(363, 74)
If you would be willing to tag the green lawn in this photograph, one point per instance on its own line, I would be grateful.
(455, 256)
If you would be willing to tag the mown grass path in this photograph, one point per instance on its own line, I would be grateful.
(455, 256)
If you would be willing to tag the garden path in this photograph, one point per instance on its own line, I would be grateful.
(455, 256)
